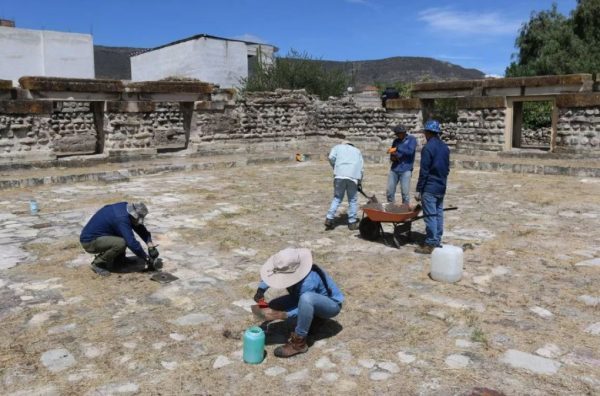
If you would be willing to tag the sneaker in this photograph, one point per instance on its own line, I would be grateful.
(329, 224)
(100, 269)
(353, 226)
(425, 249)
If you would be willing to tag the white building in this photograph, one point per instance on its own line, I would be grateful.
(25, 52)
(207, 58)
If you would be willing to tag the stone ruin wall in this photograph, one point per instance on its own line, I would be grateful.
(536, 137)
(299, 120)
(159, 116)
(578, 128)
(259, 117)
(144, 125)
(62, 127)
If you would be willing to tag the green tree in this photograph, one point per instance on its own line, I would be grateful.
(551, 43)
(297, 70)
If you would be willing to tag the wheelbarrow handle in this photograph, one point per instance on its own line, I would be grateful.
(423, 216)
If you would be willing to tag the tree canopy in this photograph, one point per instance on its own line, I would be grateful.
(297, 70)
(552, 43)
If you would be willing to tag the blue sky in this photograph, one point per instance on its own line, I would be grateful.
(471, 33)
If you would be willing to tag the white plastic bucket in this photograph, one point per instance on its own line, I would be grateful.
(447, 264)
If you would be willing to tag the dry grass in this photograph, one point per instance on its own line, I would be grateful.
(386, 310)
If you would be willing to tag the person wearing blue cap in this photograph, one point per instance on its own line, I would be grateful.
(402, 156)
(431, 187)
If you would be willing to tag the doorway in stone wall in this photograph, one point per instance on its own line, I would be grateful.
(533, 124)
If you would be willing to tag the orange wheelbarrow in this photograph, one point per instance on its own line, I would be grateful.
(401, 216)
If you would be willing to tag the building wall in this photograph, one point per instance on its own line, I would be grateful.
(215, 61)
(25, 52)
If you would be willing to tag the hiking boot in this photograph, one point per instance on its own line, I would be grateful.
(100, 269)
(328, 224)
(294, 346)
(425, 249)
(353, 226)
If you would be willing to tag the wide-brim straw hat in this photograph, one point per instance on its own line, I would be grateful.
(286, 267)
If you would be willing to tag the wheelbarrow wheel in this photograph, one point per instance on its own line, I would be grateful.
(369, 229)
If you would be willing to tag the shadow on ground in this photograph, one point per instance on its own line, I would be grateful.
(279, 332)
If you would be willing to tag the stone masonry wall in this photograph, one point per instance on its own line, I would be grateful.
(578, 130)
(72, 128)
(285, 116)
(48, 129)
(24, 134)
(536, 137)
(159, 125)
(481, 129)
(271, 116)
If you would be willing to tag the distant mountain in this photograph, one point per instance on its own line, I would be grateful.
(113, 63)
(402, 68)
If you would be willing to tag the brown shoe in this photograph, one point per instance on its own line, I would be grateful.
(294, 346)
(425, 249)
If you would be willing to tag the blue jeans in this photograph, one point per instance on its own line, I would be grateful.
(341, 187)
(433, 209)
(404, 179)
(310, 305)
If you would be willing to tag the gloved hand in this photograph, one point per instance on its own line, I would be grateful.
(150, 264)
(260, 294)
(418, 197)
(153, 252)
(154, 264)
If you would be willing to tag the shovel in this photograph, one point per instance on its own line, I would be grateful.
(372, 199)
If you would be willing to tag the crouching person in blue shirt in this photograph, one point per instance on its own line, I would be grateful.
(110, 231)
(311, 293)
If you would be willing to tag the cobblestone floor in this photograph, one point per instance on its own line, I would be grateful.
(523, 320)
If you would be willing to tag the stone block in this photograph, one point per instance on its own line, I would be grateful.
(170, 87)
(403, 104)
(447, 85)
(130, 107)
(26, 107)
(484, 102)
(5, 85)
(577, 100)
(530, 362)
(70, 84)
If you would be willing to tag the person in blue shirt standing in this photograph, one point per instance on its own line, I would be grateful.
(348, 167)
(312, 293)
(431, 187)
(402, 156)
(110, 231)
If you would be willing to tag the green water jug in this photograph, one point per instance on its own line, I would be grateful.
(254, 345)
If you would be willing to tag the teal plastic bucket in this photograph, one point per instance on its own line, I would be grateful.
(254, 345)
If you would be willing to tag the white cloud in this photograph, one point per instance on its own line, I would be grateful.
(464, 22)
(250, 37)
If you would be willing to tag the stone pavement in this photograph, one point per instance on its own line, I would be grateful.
(523, 320)
(107, 169)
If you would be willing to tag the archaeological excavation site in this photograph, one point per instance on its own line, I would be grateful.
(228, 180)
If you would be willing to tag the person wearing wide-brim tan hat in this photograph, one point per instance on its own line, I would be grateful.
(311, 293)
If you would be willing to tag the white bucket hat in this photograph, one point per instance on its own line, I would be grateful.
(286, 267)
(137, 210)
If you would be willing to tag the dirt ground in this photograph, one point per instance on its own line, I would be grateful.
(523, 320)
